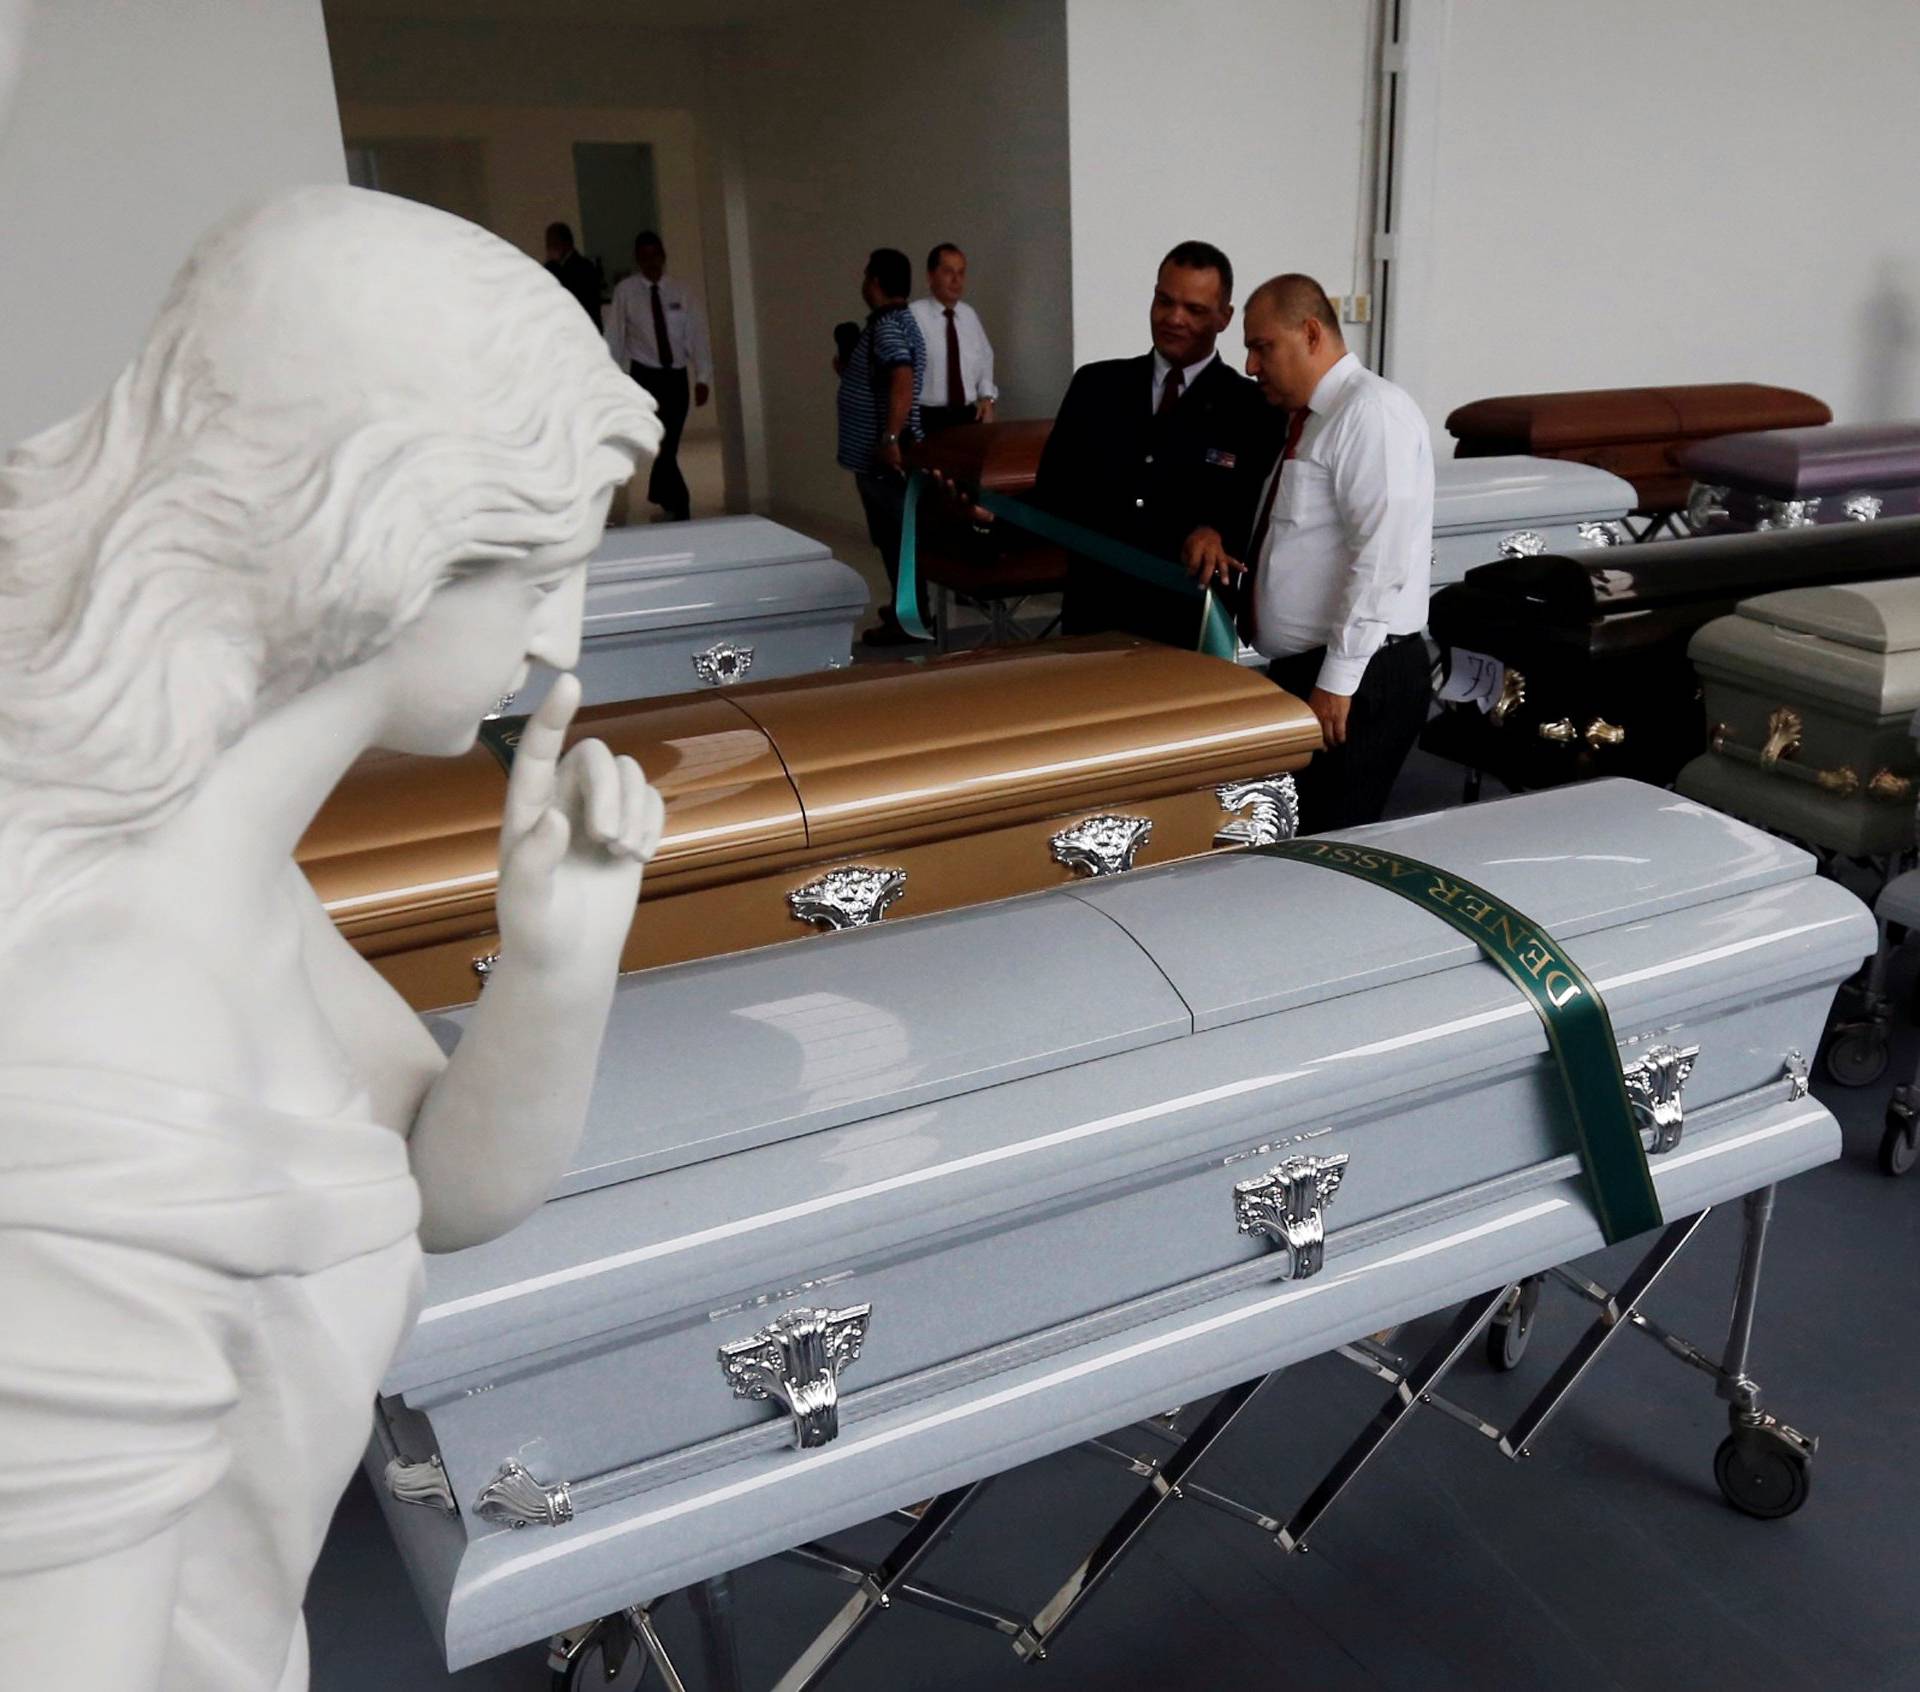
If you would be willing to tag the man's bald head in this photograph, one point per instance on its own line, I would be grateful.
(1293, 299)
(1293, 338)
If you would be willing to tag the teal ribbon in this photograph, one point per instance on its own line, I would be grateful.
(1217, 637)
(1579, 1030)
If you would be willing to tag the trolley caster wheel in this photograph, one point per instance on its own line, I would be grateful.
(1857, 1057)
(607, 1659)
(1900, 1145)
(1762, 1473)
(1509, 1331)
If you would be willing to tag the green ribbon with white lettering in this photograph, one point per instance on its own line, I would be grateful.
(1579, 1031)
(1217, 637)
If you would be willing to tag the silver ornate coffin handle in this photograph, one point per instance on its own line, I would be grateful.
(500, 707)
(1102, 845)
(1288, 1205)
(1863, 507)
(796, 1360)
(1706, 505)
(722, 663)
(1654, 1082)
(852, 896)
(1602, 534)
(483, 966)
(514, 1497)
(1787, 513)
(1523, 543)
(1272, 811)
(421, 1483)
(1795, 1076)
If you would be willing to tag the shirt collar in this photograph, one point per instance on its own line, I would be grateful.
(1333, 384)
(1188, 375)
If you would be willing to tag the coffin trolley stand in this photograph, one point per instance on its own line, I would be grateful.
(1762, 1466)
(1002, 1233)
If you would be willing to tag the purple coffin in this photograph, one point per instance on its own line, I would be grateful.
(1792, 478)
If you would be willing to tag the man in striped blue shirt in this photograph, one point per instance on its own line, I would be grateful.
(879, 412)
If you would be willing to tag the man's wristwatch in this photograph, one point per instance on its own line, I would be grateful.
(887, 440)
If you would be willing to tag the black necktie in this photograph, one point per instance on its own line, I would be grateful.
(956, 388)
(661, 344)
(1170, 390)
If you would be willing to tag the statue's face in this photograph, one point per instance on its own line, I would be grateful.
(476, 642)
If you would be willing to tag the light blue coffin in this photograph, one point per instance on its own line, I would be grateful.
(672, 607)
(1490, 508)
(1015, 1132)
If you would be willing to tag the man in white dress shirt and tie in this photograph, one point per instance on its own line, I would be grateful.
(959, 386)
(657, 335)
(1334, 587)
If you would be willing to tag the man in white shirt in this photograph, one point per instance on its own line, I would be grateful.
(1334, 587)
(959, 386)
(656, 333)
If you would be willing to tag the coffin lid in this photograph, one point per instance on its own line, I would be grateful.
(407, 840)
(1876, 616)
(719, 1056)
(887, 753)
(998, 457)
(1607, 416)
(1471, 494)
(878, 755)
(1585, 586)
(714, 570)
(1810, 463)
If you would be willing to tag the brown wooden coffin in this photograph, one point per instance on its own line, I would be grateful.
(956, 772)
(1636, 433)
(1002, 563)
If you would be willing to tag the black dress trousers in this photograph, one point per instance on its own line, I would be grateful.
(666, 487)
(1348, 785)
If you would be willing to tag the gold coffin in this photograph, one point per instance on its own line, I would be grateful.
(956, 774)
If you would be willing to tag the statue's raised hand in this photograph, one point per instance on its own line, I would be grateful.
(578, 829)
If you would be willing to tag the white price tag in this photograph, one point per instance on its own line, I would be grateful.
(1473, 676)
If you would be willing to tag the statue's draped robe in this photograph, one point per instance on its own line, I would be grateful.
(200, 1296)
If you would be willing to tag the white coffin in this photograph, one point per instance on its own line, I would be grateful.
(1489, 508)
(1837, 671)
(1015, 1132)
(672, 607)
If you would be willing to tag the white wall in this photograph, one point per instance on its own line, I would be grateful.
(1240, 122)
(1725, 190)
(134, 127)
(870, 125)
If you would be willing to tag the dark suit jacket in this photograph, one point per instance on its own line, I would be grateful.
(576, 273)
(1113, 465)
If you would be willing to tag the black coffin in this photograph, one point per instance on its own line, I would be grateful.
(1595, 644)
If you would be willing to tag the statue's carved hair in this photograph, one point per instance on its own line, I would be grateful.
(346, 400)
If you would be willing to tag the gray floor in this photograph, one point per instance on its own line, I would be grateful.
(1607, 1561)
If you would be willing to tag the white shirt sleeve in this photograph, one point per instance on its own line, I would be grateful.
(987, 390)
(1364, 471)
(699, 353)
(617, 327)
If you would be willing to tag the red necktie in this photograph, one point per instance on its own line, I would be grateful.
(661, 344)
(956, 388)
(1170, 391)
(1249, 616)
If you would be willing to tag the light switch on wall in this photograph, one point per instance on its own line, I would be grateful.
(1356, 308)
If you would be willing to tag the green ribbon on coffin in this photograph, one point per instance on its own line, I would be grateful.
(1579, 1030)
(1217, 637)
